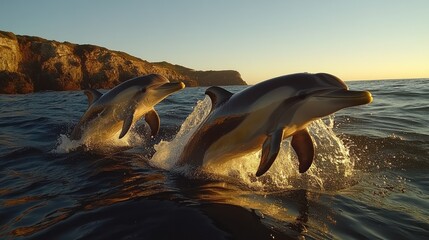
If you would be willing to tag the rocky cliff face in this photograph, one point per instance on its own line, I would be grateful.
(30, 64)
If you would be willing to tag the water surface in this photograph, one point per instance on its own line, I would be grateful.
(369, 181)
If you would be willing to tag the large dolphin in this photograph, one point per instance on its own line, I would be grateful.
(122, 106)
(261, 116)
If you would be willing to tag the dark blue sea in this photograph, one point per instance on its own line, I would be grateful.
(370, 179)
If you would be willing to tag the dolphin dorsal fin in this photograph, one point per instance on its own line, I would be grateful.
(93, 95)
(218, 96)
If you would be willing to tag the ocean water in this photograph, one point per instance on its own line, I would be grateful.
(369, 180)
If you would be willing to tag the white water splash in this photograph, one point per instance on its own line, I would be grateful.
(167, 153)
(331, 169)
(66, 145)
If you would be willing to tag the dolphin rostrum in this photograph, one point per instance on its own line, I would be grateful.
(122, 106)
(261, 116)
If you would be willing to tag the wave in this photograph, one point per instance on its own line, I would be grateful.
(382, 127)
(387, 153)
(21, 152)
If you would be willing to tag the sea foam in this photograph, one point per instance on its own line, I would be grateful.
(66, 145)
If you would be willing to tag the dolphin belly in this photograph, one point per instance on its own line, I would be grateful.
(246, 138)
(195, 150)
(230, 147)
(102, 129)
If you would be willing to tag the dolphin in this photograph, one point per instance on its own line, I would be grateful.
(261, 116)
(122, 106)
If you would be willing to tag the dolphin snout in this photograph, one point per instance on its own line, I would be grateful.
(367, 96)
(168, 88)
(358, 97)
(354, 98)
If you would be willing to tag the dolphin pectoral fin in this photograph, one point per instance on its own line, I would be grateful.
(128, 120)
(93, 95)
(218, 96)
(77, 132)
(270, 150)
(304, 149)
(127, 124)
(152, 119)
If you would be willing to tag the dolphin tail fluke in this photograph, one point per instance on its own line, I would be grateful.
(304, 149)
(218, 96)
(152, 119)
(93, 95)
(270, 150)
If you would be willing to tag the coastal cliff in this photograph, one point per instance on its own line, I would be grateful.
(30, 64)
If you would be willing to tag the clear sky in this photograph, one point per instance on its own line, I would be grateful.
(353, 39)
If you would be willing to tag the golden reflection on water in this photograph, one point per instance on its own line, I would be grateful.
(21, 200)
(290, 209)
(47, 222)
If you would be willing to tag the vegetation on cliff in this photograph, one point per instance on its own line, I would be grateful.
(30, 64)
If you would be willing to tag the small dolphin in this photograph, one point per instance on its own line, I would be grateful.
(262, 115)
(122, 106)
